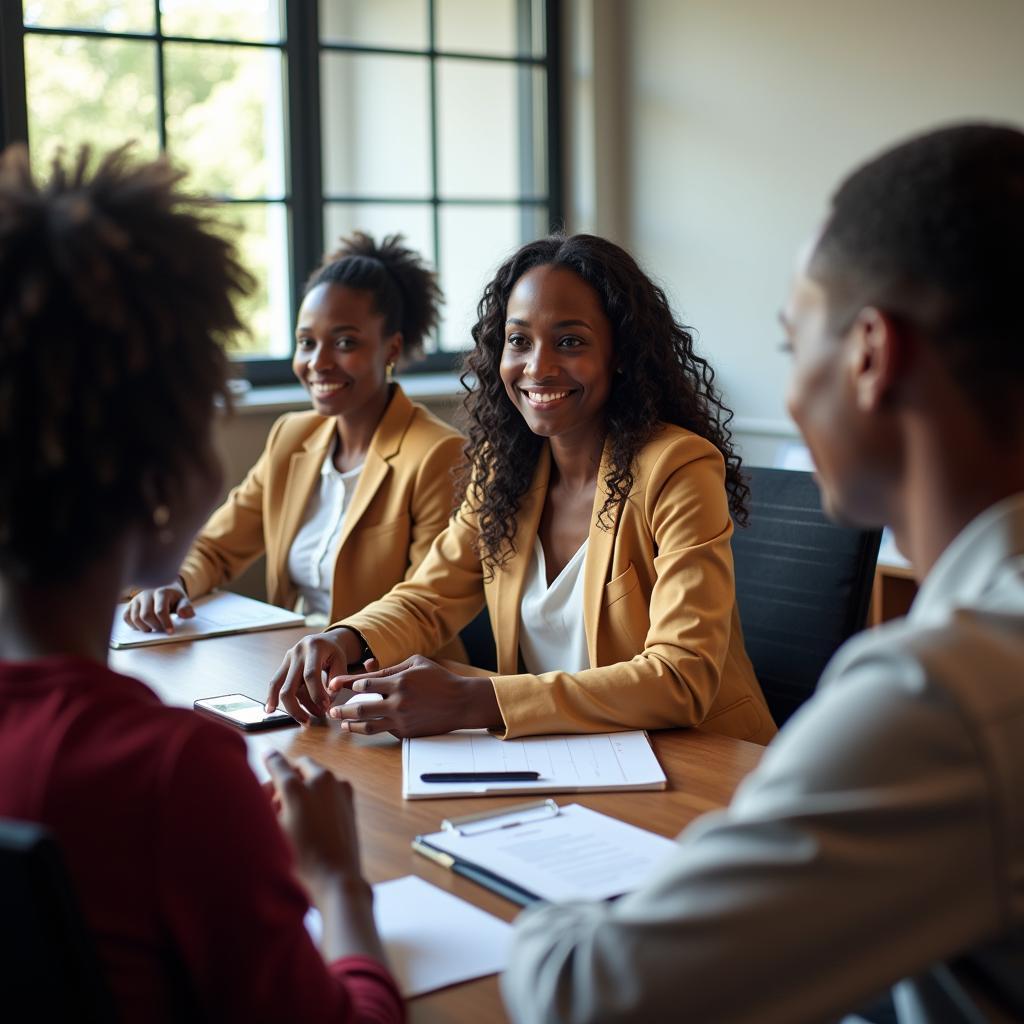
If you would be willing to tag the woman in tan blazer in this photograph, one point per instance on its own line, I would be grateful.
(595, 428)
(346, 499)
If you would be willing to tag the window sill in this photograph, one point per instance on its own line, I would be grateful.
(422, 387)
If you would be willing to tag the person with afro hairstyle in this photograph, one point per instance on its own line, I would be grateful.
(117, 291)
(347, 498)
(595, 524)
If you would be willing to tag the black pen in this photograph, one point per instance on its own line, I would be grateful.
(480, 777)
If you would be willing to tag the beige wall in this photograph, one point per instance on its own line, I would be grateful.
(737, 118)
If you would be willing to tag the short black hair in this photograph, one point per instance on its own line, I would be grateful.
(931, 232)
(116, 296)
(404, 288)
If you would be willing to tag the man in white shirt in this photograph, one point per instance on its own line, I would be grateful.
(881, 841)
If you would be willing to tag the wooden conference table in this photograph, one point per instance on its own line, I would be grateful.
(703, 770)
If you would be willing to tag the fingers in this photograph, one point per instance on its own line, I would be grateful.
(150, 610)
(163, 604)
(298, 686)
(185, 609)
(361, 711)
(282, 774)
(345, 680)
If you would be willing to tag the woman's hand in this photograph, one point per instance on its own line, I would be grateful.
(151, 610)
(317, 814)
(299, 684)
(421, 698)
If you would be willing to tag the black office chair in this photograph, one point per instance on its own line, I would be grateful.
(48, 966)
(803, 585)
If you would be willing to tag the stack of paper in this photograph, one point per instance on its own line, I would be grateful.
(217, 614)
(566, 764)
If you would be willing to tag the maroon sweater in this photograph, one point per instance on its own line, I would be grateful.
(179, 865)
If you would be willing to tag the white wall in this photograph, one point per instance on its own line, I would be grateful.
(740, 117)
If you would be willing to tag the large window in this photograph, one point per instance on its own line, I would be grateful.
(434, 118)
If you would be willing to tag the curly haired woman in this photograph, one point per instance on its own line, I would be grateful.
(595, 524)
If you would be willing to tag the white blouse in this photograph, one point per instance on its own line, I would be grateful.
(551, 631)
(315, 548)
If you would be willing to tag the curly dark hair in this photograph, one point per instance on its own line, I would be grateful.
(404, 288)
(116, 297)
(932, 232)
(662, 380)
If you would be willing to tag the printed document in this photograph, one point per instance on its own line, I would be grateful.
(578, 854)
(567, 764)
(217, 614)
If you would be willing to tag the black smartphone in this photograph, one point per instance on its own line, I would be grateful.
(246, 713)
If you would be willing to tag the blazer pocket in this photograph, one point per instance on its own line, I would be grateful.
(381, 529)
(623, 584)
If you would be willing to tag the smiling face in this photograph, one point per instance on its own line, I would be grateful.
(557, 361)
(341, 351)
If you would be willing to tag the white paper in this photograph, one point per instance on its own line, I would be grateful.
(432, 939)
(217, 614)
(578, 855)
(567, 764)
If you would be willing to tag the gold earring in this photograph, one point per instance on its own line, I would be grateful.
(161, 517)
(389, 371)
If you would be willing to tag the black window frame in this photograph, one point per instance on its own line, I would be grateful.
(304, 197)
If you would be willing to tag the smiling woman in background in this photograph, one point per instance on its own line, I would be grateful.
(595, 523)
(346, 499)
(115, 292)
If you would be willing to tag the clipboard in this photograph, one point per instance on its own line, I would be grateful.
(540, 851)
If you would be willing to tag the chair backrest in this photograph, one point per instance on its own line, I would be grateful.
(803, 585)
(48, 966)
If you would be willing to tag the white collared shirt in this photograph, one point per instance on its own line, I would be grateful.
(552, 636)
(882, 833)
(314, 551)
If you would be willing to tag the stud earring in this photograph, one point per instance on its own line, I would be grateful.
(389, 372)
(161, 518)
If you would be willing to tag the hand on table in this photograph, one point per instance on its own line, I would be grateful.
(420, 698)
(150, 610)
(299, 684)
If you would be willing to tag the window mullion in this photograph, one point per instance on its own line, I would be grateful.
(13, 99)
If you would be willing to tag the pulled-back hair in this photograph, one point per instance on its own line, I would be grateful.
(932, 233)
(661, 380)
(404, 288)
(116, 294)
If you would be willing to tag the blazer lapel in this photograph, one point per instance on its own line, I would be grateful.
(600, 544)
(303, 474)
(385, 444)
(508, 582)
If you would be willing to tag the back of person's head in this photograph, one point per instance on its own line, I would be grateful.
(931, 232)
(404, 288)
(116, 294)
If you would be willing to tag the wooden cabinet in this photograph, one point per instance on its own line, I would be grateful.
(893, 591)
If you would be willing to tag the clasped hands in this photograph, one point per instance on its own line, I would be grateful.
(419, 696)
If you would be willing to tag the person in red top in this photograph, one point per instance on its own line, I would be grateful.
(115, 294)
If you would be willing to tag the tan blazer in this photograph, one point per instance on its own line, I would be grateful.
(402, 502)
(663, 630)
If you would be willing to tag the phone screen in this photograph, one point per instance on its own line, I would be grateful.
(243, 711)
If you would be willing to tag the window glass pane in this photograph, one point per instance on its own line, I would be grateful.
(260, 231)
(414, 221)
(502, 27)
(109, 15)
(475, 240)
(491, 132)
(375, 125)
(392, 23)
(225, 117)
(82, 89)
(254, 20)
